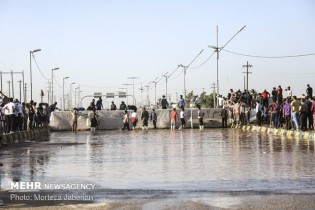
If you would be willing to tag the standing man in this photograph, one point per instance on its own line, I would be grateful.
(122, 106)
(164, 102)
(182, 119)
(9, 115)
(145, 118)
(99, 104)
(75, 120)
(181, 102)
(309, 91)
(264, 95)
(201, 114)
(274, 94)
(287, 114)
(19, 116)
(198, 101)
(113, 106)
(153, 117)
(258, 112)
(279, 94)
(295, 108)
(289, 93)
(275, 112)
(220, 101)
(173, 117)
(26, 111)
(126, 121)
(224, 116)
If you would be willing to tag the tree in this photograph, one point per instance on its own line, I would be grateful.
(207, 100)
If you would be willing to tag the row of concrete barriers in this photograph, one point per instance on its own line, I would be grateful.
(307, 135)
(24, 136)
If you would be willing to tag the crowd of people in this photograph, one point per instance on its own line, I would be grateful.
(279, 109)
(275, 109)
(16, 116)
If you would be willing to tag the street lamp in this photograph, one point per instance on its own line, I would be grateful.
(63, 92)
(71, 94)
(217, 49)
(32, 53)
(133, 87)
(52, 84)
(166, 78)
(75, 96)
(155, 82)
(185, 68)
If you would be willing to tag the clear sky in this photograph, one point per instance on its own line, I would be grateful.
(99, 44)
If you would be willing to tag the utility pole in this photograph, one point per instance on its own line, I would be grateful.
(141, 89)
(25, 92)
(218, 49)
(214, 95)
(244, 82)
(48, 91)
(9, 88)
(20, 90)
(247, 72)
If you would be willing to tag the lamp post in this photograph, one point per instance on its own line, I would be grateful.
(75, 96)
(9, 82)
(31, 83)
(217, 49)
(185, 68)
(133, 87)
(71, 94)
(155, 82)
(63, 92)
(52, 84)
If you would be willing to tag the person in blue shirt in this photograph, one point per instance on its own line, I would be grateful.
(181, 102)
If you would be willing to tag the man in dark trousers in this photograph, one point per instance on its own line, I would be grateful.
(153, 118)
(224, 116)
(164, 102)
(309, 91)
(99, 104)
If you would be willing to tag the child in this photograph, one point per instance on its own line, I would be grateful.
(134, 119)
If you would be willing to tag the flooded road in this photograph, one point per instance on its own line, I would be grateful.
(168, 164)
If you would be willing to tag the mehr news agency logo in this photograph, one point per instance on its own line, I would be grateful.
(27, 186)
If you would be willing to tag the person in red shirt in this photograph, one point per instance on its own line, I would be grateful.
(265, 95)
(173, 117)
(279, 93)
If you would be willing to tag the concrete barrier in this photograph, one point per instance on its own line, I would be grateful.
(307, 135)
(24, 136)
(110, 120)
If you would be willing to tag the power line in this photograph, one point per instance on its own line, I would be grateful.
(204, 62)
(260, 56)
(38, 67)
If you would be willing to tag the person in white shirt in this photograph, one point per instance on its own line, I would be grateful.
(9, 115)
(220, 101)
(258, 112)
(182, 119)
(289, 93)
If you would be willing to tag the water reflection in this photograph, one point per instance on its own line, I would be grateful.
(210, 160)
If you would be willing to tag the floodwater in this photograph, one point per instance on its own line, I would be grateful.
(164, 163)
